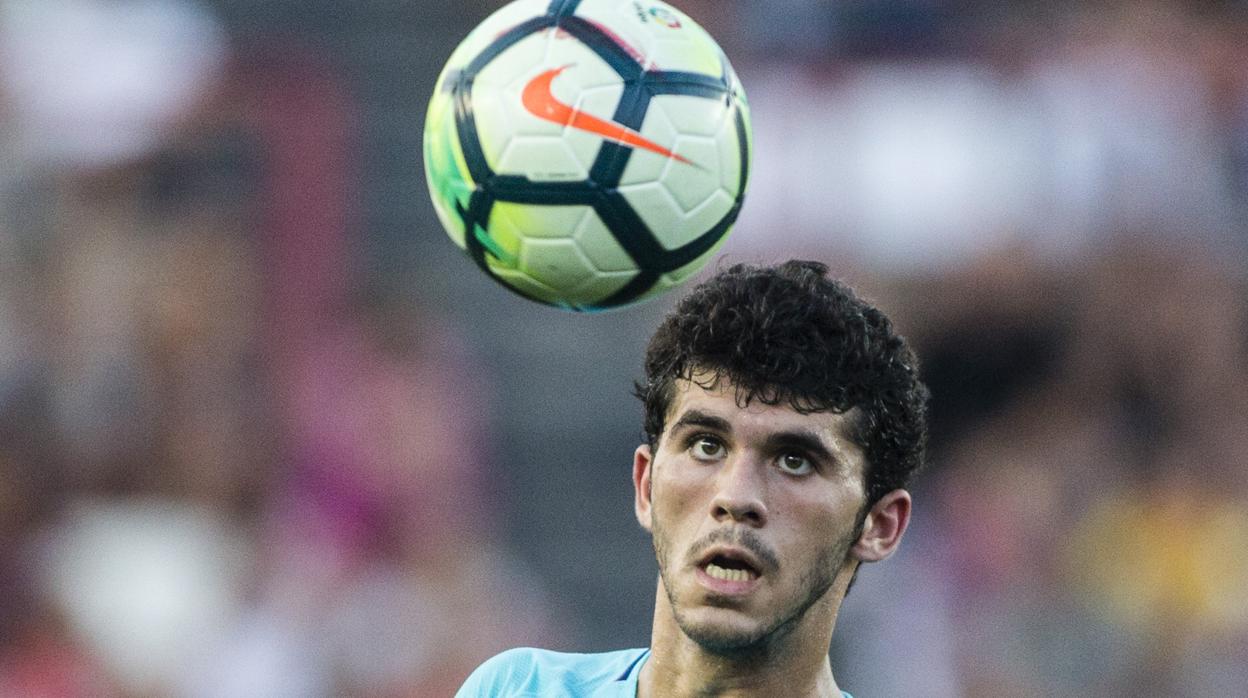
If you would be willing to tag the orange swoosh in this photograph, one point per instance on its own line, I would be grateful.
(540, 101)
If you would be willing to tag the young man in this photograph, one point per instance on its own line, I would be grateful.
(784, 417)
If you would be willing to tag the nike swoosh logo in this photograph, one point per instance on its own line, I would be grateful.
(540, 101)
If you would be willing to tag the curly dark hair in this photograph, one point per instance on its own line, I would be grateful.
(789, 334)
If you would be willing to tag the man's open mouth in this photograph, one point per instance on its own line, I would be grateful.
(729, 568)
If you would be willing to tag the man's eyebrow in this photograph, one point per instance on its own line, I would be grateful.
(697, 418)
(792, 440)
(805, 441)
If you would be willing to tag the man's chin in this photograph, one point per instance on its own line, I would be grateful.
(722, 635)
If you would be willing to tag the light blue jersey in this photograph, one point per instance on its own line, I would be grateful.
(527, 672)
(532, 673)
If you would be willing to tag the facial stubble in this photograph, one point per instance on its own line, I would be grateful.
(815, 580)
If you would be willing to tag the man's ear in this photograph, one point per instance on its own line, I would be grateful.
(642, 462)
(883, 527)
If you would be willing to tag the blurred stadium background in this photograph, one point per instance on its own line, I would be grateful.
(265, 432)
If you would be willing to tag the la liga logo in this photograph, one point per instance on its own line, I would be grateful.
(665, 17)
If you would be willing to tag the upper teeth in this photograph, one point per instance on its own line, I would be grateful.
(718, 572)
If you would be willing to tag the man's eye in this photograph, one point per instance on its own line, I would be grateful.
(706, 448)
(795, 464)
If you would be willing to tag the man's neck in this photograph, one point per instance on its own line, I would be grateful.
(795, 664)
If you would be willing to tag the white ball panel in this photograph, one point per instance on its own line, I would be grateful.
(692, 52)
(541, 221)
(555, 263)
(496, 108)
(704, 217)
(661, 212)
(692, 115)
(691, 186)
(601, 286)
(652, 201)
(728, 147)
(657, 128)
(541, 159)
(526, 285)
(599, 101)
(491, 119)
(666, 123)
(601, 247)
(521, 61)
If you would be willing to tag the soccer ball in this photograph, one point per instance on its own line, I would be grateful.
(588, 153)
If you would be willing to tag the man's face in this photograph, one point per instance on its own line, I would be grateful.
(754, 511)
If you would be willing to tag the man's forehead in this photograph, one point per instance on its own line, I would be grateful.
(717, 396)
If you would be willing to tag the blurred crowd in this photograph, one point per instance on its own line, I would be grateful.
(1084, 522)
(229, 464)
(244, 452)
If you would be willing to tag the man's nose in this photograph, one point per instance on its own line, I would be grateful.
(740, 489)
